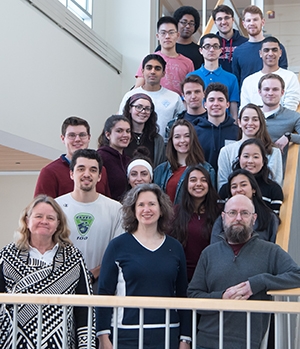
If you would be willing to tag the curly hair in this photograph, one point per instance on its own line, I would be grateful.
(262, 132)
(186, 207)
(130, 222)
(196, 154)
(188, 10)
(151, 128)
(62, 233)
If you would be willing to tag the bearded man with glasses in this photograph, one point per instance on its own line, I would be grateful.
(240, 267)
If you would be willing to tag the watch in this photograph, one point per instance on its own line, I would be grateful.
(185, 341)
(288, 135)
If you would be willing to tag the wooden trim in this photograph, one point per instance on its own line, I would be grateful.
(154, 303)
(286, 210)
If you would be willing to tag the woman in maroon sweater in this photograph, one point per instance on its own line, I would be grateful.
(114, 138)
(195, 215)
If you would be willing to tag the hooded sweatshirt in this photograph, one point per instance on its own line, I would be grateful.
(228, 46)
(212, 138)
(116, 167)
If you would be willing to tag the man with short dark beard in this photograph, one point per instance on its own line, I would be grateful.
(93, 219)
(242, 266)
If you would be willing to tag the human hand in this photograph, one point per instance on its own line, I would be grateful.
(239, 291)
(184, 345)
(104, 342)
(282, 142)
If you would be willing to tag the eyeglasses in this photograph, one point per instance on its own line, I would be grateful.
(186, 23)
(244, 214)
(214, 46)
(81, 135)
(140, 108)
(164, 33)
(220, 19)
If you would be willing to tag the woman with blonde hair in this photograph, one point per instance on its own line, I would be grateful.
(44, 261)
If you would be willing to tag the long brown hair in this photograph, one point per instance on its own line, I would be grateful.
(196, 154)
(262, 133)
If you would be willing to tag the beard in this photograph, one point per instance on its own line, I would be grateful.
(238, 234)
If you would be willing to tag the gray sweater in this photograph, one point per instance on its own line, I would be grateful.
(264, 264)
(284, 120)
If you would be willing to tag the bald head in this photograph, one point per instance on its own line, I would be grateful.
(239, 201)
(238, 219)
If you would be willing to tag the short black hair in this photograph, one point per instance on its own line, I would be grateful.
(270, 39)
(188, 10)
(216, 86)
(74, 121)
(88, 154)
(167, 19)
(155, 57)
(222, 8)
(210, 36)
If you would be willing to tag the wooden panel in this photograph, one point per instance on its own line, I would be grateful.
(15, 160)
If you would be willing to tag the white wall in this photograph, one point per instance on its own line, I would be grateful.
(285, 26)
(16, 193)
(47, 75)
(129, 26)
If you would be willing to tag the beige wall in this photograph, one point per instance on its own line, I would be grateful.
(47, 75)
(13, 202)
(285, 26)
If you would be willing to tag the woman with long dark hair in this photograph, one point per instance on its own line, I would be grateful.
(144, 261)
(252, 124)
(114, 138)
(253, 158)
(183, 150)
(195, 215)
(139, 110)
(243, 182)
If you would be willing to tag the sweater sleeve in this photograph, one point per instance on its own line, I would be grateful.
(224, 167)
(284, 273)
(107, 284)
(181, 291)
(275, 165)
(47, 183)
(291, 97)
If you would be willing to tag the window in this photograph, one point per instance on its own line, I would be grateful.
(81, 8)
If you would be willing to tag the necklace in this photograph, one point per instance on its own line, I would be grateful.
(138, 137)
